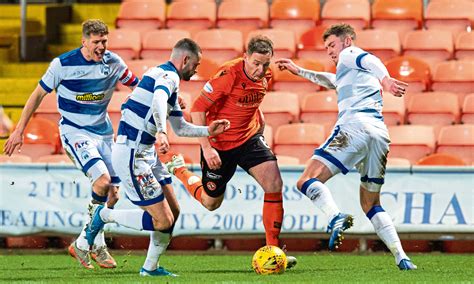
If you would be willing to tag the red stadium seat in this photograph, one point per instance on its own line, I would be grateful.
(243, 15)
(207, 69)
(397, 15)
(457, 140)
(157, 45)
(298, 16)
(298, 140)
(187, 146)
(382, 43)
(440, 159)
(141, 15)
(452, 16)
(191, 16)
(41, 138)
(433, 109)
(468, 109)
(393, 109)
(320, 108)
(284, 44)
(125, 42)
(454, 76)
(48, 109)
(411, 142)
(412, 70)
(15, 159)
(286, 81)
(139, 67)
(115, 107)
(311, 46)
(220, 44)
(280, 108)
(397, 162)
(464, 46)
(353, 12)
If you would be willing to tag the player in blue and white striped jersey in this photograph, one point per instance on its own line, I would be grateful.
(145, 179)
(84, 80)
(359, 139)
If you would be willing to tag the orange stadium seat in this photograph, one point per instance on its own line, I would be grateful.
(191, 16)
(244, 15)
(220, 44)
(432, 46)
(114, 108)
(397, 162)
(157, 45)
(464, 46)
(141, 15)
(454, 76)
(283, 160)
(55, 159)
(452, 16)
(457, 140)
(353, 12)
(411, 142)
(48, 108)
(286, 81)
(41, 138)
(393, 109)
(468, 109)
(125, 42)
(15, 159)
(139, 67)
(397, 15)
(298, 140)
(280, 108)
(207, 69)
(311, 46)
(298, 16)
(433, 109)
(284, 43)
(412, 70)
(320, 108)
(440, 159)
(384, 44)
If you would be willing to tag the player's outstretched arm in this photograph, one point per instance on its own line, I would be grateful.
(324, 79)
(394, 86)
(16, 137)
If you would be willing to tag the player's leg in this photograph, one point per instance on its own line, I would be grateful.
(372, 172)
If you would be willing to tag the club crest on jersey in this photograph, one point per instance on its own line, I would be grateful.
(211, 186)
(208, 88)
(105, 69)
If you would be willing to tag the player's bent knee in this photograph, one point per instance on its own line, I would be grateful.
(102, 184)
(211, 206)
(163, 223)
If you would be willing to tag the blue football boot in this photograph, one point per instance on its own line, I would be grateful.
(160, 271)
(336, 227)
(406, 264)
(95, 225)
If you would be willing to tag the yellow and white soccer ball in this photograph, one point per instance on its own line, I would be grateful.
(269, 260)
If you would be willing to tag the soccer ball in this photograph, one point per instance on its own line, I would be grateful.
(269, 260)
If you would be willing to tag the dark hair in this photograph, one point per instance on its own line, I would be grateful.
(260, 44)
(189, 45)
(94, 26)
(340, 30)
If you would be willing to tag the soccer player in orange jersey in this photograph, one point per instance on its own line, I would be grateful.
(235, 93)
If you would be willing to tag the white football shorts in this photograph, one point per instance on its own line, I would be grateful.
(361, 145)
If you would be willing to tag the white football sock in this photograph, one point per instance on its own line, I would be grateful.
(385, 229)
(81, 241)
(127, 218)
(321, 197)
(158, 243)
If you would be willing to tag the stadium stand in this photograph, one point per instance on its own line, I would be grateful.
(433, 109)
(205, 71)
(411, 142)
(287, 160)
(467, 116)
(114, 108)
(157, 44)
(245, 16)
(397, 162)
(41, 138)
(297, 16)
(55, 159)
(451, 16)
(464, 46)
(279, 108)
(191, 16)
(353, 12)
(125, 42)
(397, 15)
(384, 44)
(393, 109)
(457, 140)
(412, 70)
(284, 44)
(15, 159)
(286, 81)
(48, 108)
(310, 46)
(320, 107)
(454, 76)
(141, 15)
(220, 44)
(440, 159)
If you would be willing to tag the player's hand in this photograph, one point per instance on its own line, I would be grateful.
(287, 64)
(212, 158)
(15, 140)
(218, 126)
(163, 144)
(397, 88)
(181, 102)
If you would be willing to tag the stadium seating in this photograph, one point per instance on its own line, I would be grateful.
(464, 46)
(397, 162)
(207, 69)
(15, 159)
(287, 160)
(280, 108)
(41, 137)
(284, 44)
(139, 67)
(55, 159)
(457, 140)
(320, 108)
(411, 142)
(286, 81)
(220, 44)
(468, 109)
(384, 44)
(298, 140)
(397, 15)
(353, 12)
(310, 46)
(412, 70)
(298, 16)
(454, 76)
(115, 107)
(157, 44)
(432, 46)
(191, 16)
(268, 134)
(433, 109)
(187, 146)
(452, 16)
(141, 15)
(125, 42)
(440, 159)
(393, 109)
(244, 15)
(48, 109)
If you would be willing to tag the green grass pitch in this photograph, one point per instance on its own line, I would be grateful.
(18, 267)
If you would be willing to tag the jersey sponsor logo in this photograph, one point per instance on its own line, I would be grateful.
(89, 97)
(211, 186)
(251, 100)
(81, 144)
(213, 175)
(208, 88)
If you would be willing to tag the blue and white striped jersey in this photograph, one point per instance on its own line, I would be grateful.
(137, 125)
(84, 89)
(358, 88)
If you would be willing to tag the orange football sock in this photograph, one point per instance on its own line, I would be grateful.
(272, 216)
(191, 181)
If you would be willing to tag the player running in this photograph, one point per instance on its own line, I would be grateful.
(359, 139)
(84, 80)
(147, 182)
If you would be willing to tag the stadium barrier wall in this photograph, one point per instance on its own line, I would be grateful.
(51, 199)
